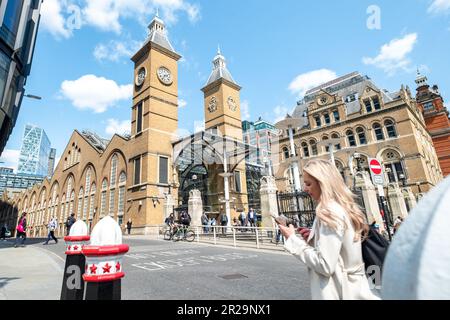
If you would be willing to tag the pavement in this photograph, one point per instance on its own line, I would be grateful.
(159, 269)
(28, 273)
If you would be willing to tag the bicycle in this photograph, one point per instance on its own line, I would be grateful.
(179, 233)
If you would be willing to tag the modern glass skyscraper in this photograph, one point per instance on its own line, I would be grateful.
(35, 152)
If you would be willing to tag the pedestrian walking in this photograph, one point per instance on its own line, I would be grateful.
(336, 266)
(224, 222)
(21, 231)
(3, 232)
(204, 220)
(251, 217)
(69, 222)
(52, 225)
(129, 224)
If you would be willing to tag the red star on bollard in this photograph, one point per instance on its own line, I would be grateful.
(75, 248)
(106, 268)
(93, 269)
(68, 248)
(118, 266)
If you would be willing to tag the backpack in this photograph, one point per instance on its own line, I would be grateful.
(20, 226)
(224, 218)
(374, 249)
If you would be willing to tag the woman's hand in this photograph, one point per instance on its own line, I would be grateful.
(287, 231)
(304, 232)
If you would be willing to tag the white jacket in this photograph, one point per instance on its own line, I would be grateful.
(334, 260)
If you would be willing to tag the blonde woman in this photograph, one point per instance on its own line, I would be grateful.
(332, 248)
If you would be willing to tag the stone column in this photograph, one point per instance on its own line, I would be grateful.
(195, 207)
(417, 262)
(396, 200)
(409, 197)
(169, 204)
(362, 180)
(269, 205)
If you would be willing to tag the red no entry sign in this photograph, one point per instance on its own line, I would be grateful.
(375, 166)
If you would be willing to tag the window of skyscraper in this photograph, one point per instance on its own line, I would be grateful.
(11, 20)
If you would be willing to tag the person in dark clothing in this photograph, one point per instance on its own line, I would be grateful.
(129, 223)
(21, 230)
(3, 232)
(70, 221)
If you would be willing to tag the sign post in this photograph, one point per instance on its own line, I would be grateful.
(376, 172)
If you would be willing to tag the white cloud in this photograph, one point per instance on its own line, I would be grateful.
(393, 55)
(245, 110)
(60, 17)
(95, 93)
(182, 103)
(106, 14)
(10, 157)
(115, 50)
(52, 19)
(309, 80)
(439, 6)
(119, 127)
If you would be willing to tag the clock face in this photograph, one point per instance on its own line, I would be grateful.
(141, 76)
(212, 106)
(164, 75)
(231, 103)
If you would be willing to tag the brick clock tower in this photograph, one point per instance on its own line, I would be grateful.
(431, 104)
(154, 121)
(222, 109)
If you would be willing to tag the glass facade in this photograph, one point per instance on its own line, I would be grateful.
(19, 23)
(35, 152)
(10, 180)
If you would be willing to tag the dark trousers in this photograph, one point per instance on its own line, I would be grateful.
(22, 235)
(51, 235)
(129, 229)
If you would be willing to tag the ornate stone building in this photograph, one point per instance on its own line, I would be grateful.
(437, 121)
(139, 176)
(361, 118)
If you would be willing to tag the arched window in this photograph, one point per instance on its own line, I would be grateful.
(91, 204)
(351, 138)
(113, 170)
(318, 122)
(87, 184)
(69, 185)
(80, 202)
(338, 145)
(336, 115)
(327, 148)
(305, 149)
(390, 128)
(378, 131)
(63, 201)
(393, 166)
(112, 198)
(103, 199)
(286, 152)
(326, 117)
(121, 202)
(313, 145)
(361, 135)
(72, 199)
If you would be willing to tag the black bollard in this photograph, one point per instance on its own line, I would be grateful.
(104, 271)
(73, 284)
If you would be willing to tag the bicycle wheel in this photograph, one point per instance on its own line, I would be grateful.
(190, 236)
(167, 235)
(177, 236)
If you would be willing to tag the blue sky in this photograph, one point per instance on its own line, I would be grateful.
(275, 50)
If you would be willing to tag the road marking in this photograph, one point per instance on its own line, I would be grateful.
(190, 261)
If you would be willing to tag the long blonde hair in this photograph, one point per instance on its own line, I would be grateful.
(333, 188)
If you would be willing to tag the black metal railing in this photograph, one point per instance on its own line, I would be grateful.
(298, 206)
